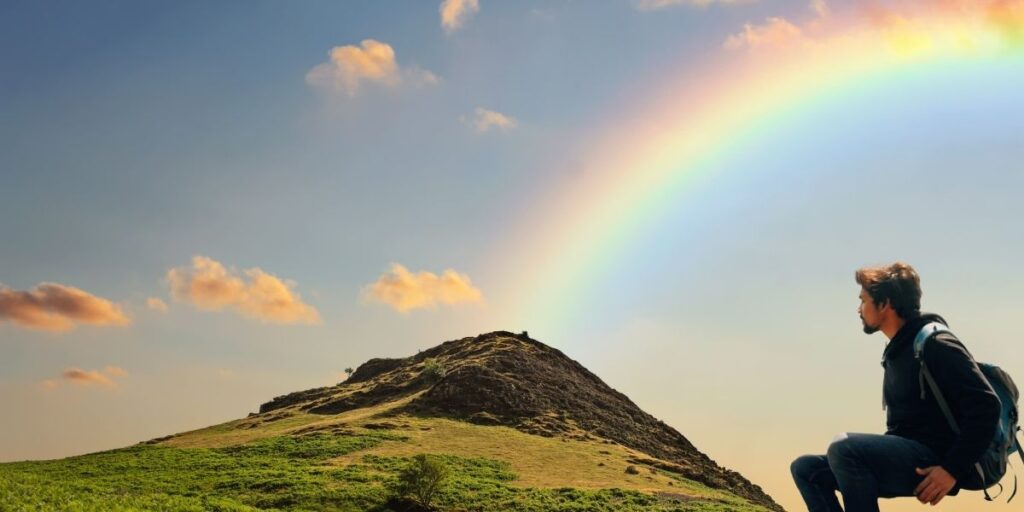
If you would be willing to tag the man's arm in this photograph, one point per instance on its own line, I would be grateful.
(970, 397)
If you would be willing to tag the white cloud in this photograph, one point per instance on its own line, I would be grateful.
(349, 67)
(455, 13)
(820, 8)
(485, 120)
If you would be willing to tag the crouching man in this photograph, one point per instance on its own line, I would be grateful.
(919, 454)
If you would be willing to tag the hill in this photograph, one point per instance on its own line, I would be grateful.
(520, 425)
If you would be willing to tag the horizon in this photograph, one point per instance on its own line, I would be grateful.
(207, 206)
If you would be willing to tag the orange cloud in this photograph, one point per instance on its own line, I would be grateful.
(909, 28)
(405, 291)
(115, 371)
(156, 304)
(774, 32)
(57, 307)
(348, 67)
(82, 377)
(455, 13)
(209, 286)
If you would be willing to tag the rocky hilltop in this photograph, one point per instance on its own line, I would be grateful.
(502, 378)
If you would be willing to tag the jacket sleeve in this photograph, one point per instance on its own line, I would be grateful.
(971, 398)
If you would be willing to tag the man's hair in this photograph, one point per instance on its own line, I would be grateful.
(898, 284)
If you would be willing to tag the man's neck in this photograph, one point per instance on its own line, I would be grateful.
(892, 326)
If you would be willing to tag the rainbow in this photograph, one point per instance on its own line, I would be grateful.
(655, 150)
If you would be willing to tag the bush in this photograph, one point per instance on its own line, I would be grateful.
(422, 479)
(433, 369)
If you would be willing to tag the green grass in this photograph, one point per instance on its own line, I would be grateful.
(299, 473)
(277, 472)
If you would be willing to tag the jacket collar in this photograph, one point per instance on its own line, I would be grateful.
(905, 336)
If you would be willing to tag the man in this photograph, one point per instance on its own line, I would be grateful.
(919, 455)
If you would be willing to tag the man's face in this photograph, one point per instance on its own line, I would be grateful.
(869, 313)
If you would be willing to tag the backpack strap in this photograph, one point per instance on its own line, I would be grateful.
(1014, 493)
(923, 335)
(1020, 451)
(956, 429)
(926, 332)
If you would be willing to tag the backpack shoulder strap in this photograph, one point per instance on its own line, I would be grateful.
(929, 329)
(923, 335)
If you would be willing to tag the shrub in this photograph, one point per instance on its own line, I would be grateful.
(433, 369)
(422, 479)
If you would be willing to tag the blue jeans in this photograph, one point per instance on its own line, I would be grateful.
(864, 467)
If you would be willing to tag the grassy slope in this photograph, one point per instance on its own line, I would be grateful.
(345, 462)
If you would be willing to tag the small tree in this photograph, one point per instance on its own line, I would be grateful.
(432, 368)
(422, 479)
(349, 371)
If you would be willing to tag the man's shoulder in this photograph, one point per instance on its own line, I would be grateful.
(945, 346)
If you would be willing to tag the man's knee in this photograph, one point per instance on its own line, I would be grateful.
(803, 466)
(840, 449)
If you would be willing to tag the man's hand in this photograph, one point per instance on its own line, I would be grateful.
(936, 484)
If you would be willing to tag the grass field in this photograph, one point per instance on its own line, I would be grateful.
(350, 463)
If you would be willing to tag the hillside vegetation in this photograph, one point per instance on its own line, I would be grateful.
(294, 455)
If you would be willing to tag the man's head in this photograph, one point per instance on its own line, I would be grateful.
(889, 295)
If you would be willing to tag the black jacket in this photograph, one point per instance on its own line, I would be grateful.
(970, 397)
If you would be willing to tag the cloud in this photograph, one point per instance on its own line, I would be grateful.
(455, 13)
(909, 28)
(485, 120)
(82, 377)
(209, 286)
(156, 304)
(405, 291)
(774, 32)
(820, 8)
(56, 307)
(651, 5)
(348, 67)
(115, 371)
(49, 384)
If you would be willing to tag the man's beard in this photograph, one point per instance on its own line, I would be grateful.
(868, 329)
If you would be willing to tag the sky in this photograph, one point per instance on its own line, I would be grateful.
(207, 205)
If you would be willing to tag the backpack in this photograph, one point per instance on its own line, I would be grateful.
(992, 465)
